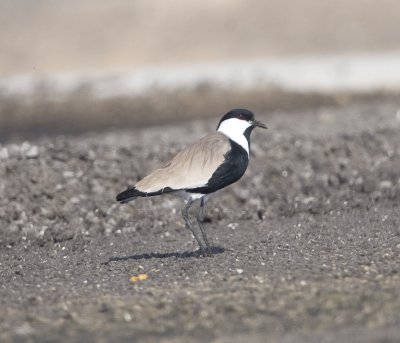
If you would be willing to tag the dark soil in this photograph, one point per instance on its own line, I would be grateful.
(306, 245)
(44, 114)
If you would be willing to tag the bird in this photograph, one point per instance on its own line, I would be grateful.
(202, 168)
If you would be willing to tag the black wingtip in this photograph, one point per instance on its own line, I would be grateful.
(128, 195)
(132, 193)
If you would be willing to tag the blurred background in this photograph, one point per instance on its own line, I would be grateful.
(75, 66)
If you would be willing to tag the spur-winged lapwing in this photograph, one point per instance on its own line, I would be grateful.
(202, 168)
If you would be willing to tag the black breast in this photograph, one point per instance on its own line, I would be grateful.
(231, 170)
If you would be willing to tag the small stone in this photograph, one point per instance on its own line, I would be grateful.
(24, 330)
(14, 151)
(33, 152)
(59, 187)
(74, 200)
(68, 174)
(233, 226)
(49, 213)
(4, 154)
(385, 184)
(127, 317)
(29, 151)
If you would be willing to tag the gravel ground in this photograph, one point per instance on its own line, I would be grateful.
(306, 245)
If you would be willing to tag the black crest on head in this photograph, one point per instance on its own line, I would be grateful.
(238, 113)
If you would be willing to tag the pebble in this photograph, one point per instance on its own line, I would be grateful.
(4, 154)
(33, 152)
(68, 174)
(385, 184)
(29, 151)
(14, 151)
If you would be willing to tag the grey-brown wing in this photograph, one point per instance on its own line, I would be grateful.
(192, 167)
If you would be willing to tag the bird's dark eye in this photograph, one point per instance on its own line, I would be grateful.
(240, 116)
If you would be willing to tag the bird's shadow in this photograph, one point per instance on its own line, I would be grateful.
(148, 256)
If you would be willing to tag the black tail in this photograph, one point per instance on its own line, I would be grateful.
(128, 195)
(133, 193)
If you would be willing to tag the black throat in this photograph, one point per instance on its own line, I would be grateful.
(247, 134)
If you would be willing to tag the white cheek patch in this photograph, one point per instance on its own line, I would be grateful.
(234, 128)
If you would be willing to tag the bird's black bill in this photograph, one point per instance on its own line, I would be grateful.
(259, 124)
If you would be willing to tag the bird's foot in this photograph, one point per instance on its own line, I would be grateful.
(206, 252)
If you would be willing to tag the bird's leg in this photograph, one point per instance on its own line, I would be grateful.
(200, 217)
(200, 214)
(185, 215)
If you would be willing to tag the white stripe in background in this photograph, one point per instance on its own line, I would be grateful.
(308, 73)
